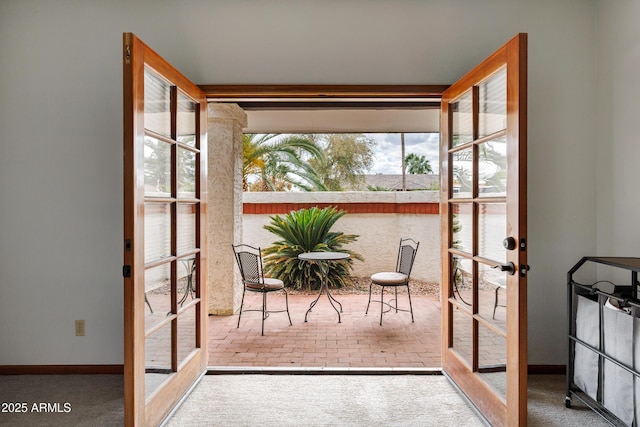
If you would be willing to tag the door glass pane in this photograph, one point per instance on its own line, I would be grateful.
(157, 352)
(186, 333)
(157, 103)
(462, 120)
(462, 281)
(157, 231)
(462, 228)
(186, 173)
(492, 229)
(492, 296)
(462, 334)
(462, 173)
(186, 279)
(492, 168)
(492, 116)
(157, 288)
(492, 359)
(186, 120)
(186, 238)
(157, 168)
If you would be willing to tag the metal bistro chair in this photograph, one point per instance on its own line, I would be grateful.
(249, 261)
(406, 255)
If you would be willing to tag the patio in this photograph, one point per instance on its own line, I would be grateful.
(358, 342)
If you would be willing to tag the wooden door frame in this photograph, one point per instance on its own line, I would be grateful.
(513, 53)
(321, 92)
(136, 55)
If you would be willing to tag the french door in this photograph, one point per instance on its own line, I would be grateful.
(484, 234)
(164, 234)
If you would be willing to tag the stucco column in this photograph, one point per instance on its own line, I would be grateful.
(224, 127)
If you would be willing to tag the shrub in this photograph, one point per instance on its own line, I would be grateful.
(307, 230)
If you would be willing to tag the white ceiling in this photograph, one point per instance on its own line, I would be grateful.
(343, 120)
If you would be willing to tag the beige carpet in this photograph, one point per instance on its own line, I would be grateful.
(280, 400)
(352, 400)
(325, 400)
(92, 400)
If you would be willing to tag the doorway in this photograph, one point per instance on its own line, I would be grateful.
(513, 55)
(399, 344)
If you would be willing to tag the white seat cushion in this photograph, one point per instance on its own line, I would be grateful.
(269, 283)
(389, 278)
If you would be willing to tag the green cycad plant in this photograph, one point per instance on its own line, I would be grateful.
(308, 230)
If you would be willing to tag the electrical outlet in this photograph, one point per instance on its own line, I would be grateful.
(80, 328)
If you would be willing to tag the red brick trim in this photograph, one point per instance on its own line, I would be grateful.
(362, 208)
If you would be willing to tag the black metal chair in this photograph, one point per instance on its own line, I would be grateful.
(499, 283)
(406, 255)
(249, 260)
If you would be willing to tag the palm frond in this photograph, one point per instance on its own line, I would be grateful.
(281, 160)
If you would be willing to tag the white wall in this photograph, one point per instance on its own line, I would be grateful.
(378, 234)
(618, 143)
(61, 131)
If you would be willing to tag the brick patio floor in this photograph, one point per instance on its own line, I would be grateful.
(357, 342)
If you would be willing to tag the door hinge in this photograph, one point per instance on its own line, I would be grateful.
(127, 48)
(126, 270)
(523, 244)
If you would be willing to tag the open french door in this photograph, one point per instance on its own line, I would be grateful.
(484, 234)
(165, 236)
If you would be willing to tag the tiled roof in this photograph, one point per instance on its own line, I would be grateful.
(394, 182)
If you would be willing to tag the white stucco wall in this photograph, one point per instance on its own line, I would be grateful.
(379, 233)
(61, 132)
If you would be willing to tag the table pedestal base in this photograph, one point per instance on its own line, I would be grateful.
(323, 260)
(331, 299)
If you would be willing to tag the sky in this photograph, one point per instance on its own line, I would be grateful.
(388, 151)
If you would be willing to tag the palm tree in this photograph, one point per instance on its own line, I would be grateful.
(417, 164)
(279, 162)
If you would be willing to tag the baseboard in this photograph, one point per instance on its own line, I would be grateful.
(547, 370)
(61, 369)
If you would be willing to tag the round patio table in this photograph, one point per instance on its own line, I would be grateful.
(323, 259)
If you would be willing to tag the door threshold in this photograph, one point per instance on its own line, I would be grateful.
(265, 370)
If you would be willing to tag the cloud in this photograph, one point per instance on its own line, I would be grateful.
(388, 151)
